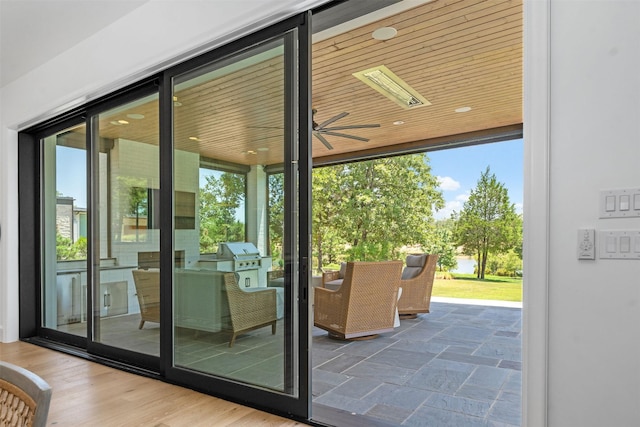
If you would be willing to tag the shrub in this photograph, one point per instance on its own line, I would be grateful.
(502, 272)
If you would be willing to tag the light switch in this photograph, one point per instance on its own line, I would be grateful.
(621, 203)
(625, 244)
(610, 204)
(619, 244)
(624, 202)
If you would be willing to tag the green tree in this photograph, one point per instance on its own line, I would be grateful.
(138, 202)
(443, 244)
(508, 263)
(220, 198)
(327, 201)
(66, 250)
(138, 206)
(517, 248)
(276, 216)
(505, 264)
(488, 222)
(374, 207)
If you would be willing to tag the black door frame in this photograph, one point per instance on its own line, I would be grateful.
(297, 37)
(297, 34)
(141, 360)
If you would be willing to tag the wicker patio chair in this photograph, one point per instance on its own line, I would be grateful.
(250, 309)
(148, 291)
(417, 284)
(365, 304)
(24, 397)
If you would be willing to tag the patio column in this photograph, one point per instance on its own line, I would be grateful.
(256, 205)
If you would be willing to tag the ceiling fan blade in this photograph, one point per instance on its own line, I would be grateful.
(351, 127)
(344, 135)
(332, 119)
(323, 140)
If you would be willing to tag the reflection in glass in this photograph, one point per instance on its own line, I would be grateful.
(229, 299)
(127, 288)
(222, 207)
(65, 231)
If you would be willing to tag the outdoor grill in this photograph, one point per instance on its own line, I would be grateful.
(243, 255)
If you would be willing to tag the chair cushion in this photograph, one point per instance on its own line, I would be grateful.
(343, 270)
(416, 260)
(333, 284)
(410, 272)
(414, 266)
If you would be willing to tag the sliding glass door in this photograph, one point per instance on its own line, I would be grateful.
(237, 295)
(64, 224)
(125, 231)
(173, 222)
(229, 124)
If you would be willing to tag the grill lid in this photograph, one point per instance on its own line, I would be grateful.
(237, 250)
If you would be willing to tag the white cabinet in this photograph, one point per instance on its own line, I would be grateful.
(114, 298)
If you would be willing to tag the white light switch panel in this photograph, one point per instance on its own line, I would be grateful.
(586, 244)
(619, 244)
(620, 203)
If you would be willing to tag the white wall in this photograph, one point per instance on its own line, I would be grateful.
(594, 306)
(9, 238)
(593, 313)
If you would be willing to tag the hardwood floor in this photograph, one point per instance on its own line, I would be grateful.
(89, 394)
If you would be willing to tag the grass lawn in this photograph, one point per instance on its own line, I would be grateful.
(468, 286)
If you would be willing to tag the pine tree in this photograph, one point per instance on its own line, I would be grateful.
(488, 221)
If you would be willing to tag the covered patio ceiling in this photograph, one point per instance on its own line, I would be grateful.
(463, 56)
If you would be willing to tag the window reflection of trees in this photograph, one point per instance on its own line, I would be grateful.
(222, 201)
(276, 218)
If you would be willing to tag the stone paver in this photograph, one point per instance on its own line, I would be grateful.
(459, 365)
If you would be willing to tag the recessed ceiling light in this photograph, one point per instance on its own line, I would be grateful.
(398, 122)
(194, 138)
(136, 116)
(263, 149)
(251, 152)
(123, 122)
(393, 87)
(116, 123)
(462, 109)
(384, 33)
(175, 102)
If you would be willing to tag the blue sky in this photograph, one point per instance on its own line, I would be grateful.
(71, 174)
(459, 169)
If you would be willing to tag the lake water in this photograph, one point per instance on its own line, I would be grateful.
(465, 265)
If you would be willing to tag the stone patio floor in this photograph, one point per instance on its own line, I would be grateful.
(459, 365)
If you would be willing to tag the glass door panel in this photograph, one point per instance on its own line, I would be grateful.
(233, 316)
(126, 289)
(64, 216)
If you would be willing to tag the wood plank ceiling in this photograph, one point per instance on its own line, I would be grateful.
(455, 53)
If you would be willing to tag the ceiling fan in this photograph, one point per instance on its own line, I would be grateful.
(319, 130)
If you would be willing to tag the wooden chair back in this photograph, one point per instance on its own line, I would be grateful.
(147, 284)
